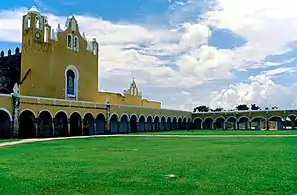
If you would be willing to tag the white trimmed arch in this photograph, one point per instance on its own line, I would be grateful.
(258, 117)
(158, 118)
(124, 114)
(90, 114)
(133, 114)
(116, 114)
(234, 117)
(140, 117)
(7, 112)
(148, 117)
(35, 115)
(75, 112)
(45, 110)
(219, 118)
(197, 118)
(76, 81)
(62, 111)
(276, 116)
(248, 118)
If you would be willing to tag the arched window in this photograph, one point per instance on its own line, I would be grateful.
(73, 25)
(76, 43)
(38, 23)
(70, 82)
(69, 41)
(27, 22)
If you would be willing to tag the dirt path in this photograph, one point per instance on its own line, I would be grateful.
(134, 135)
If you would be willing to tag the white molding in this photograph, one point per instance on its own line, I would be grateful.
(141, 115)
(7, 112)
(156, 117)
(148, 117)
(77, 113)
(133, 114)
(100, 113)
(193, 121)
(261, 117)
(76, 81)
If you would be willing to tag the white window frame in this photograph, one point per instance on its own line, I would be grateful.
(76, 81)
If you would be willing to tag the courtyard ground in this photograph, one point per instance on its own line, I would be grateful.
(152, 165)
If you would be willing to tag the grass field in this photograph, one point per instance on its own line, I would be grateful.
(224, 132)
(138, 165)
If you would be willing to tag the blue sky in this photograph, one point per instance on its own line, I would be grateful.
(196, 52)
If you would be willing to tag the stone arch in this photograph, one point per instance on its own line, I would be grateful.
(75, 122)
(233, 120)
(61, 124)
(208, 123)
(124, 123)
(88, 124)
(27, 124)
(156, 123)
(71, 85)
(100, 124)
(63, 112)
(259, 123)
(168, 124)
(163, 123)
(243, 122)
(5, 124)
(184, 123)
(290, 121)
(179, 123)
(27, 22)
(113, 122)
(197, 123)
(34, 114)
(174, 123)
(149, 123)
(45, 124)
(46, 110)
(219, 123)
(133, 123)
(141, 122)
(279, 120)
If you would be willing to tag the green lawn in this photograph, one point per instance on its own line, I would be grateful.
(224, 132)
(138, 165)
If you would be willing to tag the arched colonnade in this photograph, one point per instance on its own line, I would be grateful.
(246, 123)
(45, 124)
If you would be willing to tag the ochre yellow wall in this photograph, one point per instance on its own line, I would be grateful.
(6, 103)
(48, 62)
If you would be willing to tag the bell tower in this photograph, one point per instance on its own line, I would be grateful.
(33, 27)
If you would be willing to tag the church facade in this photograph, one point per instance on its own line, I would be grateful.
(50, 89)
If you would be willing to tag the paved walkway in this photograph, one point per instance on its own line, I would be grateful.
(11, 143)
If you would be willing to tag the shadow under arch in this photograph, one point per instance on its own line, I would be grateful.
(163, 123)
(75, 124)
(133, 123)
(197, 123)
(45, 125)
(88, 124)
(5, 124)
(149, 123)
(233, 120)
(243, 123)
(208, 123)
(27, 124)
(275, 123)
(258, 123)
(169, 124)
(61, 124)
(113, 122)
(156, 123)
(174, 123)
(141, 122)
(100, 124)
(124, 123)
(219, 122)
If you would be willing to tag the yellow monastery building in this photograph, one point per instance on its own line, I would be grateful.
(50, 88)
